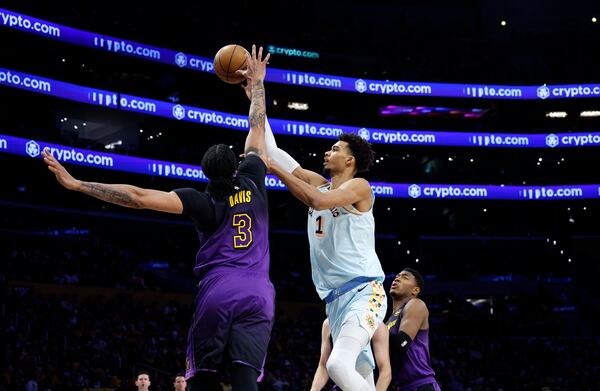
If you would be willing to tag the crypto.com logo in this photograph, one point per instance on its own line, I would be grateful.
(364, 133)
(178, 112)
(32, 148)
(181, 59)
(414, 191)
(552, 140)
(543, 92)
(360, 85)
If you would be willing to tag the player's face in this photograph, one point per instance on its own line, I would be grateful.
(180, 383)
(142, 382)
(337, 158)
(404, 284)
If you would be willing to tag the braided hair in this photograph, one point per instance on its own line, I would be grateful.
(219, 165)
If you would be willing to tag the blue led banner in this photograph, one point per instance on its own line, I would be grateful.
(115, 100)
(25, 81)
(164, 109)
(109, 161)
(102, 42)
(291, 52)
(62, 33)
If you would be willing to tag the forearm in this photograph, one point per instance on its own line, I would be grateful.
(384, 379)
(255, 141)
(270, 138)
(124, 195)
(306, 193)
(320, 379)
(258, 111)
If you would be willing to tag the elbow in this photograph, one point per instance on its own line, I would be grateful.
(138, 202)
(385, 375)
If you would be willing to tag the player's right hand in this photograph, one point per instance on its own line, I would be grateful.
(62, 175)
(256, 68)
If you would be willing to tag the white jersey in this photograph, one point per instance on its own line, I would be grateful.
(342, 246)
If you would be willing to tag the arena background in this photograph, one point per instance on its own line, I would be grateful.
(92, 293)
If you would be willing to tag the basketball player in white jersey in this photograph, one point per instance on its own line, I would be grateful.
(345, 268)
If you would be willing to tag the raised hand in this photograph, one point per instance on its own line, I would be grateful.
(62, 175)
(256, 68)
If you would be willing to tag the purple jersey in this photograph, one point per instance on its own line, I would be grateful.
(235, 300)
(241, 240)
(234, 231)
(413, 368)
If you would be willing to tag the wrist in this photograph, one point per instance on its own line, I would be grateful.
(77, 186)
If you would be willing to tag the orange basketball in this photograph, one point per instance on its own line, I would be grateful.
(229, 59)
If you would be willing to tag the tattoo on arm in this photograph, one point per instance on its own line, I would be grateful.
(257, 107)
(110, 193)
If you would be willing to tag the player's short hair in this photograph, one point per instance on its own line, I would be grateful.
(178, 375)
(142, 373)
(360, 149)
(418, 277)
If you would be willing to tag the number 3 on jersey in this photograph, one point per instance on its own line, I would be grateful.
(243, 223)
(320, 223)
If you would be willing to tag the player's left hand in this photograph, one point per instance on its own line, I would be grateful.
(62, 175)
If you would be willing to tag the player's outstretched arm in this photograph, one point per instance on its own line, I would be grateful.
(255, 75)
(281, 157)
(321, 376)
(124, 195)
(349, 193)
(308, 176)
(381, 350)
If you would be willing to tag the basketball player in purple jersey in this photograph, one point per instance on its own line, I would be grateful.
(234, 302)
(409, 335)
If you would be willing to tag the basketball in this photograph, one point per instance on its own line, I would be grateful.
(229, 59)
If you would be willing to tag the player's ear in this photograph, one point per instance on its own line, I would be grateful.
(349, 160)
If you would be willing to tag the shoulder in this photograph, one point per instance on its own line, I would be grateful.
(189, 193)
(193, 201)
(359, 185)
(251, 163)
(359, 182)
(254, 157)
(416, 306)
(381, 330)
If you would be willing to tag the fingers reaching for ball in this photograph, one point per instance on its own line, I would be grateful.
(256, 68)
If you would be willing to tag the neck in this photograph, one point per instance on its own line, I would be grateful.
(340, 178)
(397, 304)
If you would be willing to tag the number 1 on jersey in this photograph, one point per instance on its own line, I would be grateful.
(319, 232)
